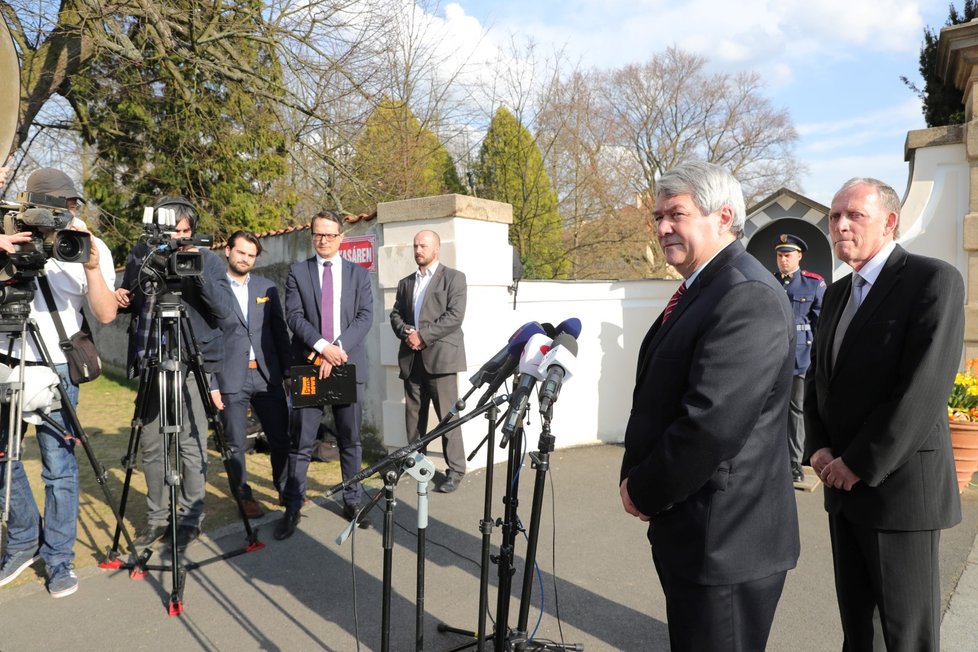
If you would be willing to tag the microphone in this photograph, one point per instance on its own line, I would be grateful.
(570, 326)
(533, 354)
(557, 366)
(502, 365)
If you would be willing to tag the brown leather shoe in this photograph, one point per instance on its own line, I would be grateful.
(252, 508)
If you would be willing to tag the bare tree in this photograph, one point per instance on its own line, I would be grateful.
(670, 110)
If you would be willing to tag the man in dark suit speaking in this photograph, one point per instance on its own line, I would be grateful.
(427, 318)
(256, 361)
(876, 419)
(329, 307)
(706, 461)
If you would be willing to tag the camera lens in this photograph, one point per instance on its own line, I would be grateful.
(68, 249)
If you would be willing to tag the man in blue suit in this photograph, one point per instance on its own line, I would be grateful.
(805, 290)
(256, 360)
(329, 308)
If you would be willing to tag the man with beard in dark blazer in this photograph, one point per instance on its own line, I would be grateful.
(706, 461)
(876, 421)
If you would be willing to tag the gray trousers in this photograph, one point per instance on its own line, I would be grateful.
(420, 390)
(189, 469)
(796, 420)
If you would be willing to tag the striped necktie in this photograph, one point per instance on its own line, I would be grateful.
(673, 301)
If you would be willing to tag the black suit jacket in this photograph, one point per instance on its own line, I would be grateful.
(705, 448)
(262, 329)
(883, 407)
(303, 296)
(440, 322)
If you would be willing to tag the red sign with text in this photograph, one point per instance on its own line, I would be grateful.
(362, 250)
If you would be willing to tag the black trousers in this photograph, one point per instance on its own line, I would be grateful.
(896, 573)
(721, 618)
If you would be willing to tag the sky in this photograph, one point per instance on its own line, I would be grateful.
(834, 65)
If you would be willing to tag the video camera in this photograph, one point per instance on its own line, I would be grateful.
(165, 258)
(45, 217)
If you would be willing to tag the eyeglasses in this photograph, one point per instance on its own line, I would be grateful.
(329, 237)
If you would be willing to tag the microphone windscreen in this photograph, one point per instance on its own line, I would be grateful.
(567, 341)
(570, 326)
(521, 337)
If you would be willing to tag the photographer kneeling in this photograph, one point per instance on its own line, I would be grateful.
(71, 283)
(207, 299)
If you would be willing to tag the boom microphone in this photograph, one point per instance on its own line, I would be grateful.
(557, 366)
(533, 354)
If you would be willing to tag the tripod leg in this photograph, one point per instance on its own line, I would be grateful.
(129, 464)
(215, 423)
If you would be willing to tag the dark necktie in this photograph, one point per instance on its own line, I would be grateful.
(852, 305)
(326, 309)
(673, 301)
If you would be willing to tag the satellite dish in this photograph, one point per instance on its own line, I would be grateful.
(9, 91)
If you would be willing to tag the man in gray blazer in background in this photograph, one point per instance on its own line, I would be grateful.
(427, 318)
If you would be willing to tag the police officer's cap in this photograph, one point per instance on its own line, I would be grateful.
(788, 242)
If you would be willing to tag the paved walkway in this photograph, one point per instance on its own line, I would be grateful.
(310, 593)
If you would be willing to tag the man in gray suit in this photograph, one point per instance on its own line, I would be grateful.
(256, 360)
(427, 318)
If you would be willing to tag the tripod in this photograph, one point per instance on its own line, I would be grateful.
(170, 334)
(17, 323)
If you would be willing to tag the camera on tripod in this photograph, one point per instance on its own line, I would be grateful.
(45, 218)
(166, 259)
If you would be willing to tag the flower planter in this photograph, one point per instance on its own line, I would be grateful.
(964, 441)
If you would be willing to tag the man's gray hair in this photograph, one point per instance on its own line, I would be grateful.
(710, 186)
(889, 199)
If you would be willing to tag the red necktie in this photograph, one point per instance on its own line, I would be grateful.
(673, 301)
(326, 309)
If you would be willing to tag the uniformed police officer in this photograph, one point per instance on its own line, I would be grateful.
(805, 290)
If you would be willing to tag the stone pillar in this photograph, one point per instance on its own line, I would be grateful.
(957, 61)
(475, 240)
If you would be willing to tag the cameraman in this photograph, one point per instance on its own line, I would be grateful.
(71, 284)
(208, 300)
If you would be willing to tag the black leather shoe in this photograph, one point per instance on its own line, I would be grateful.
(350, 513)
(286, 526)
(449, 485)
(797, 474)
(149, 535)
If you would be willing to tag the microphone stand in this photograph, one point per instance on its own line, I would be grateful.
(485, 526)
(541, 462)
(388, 467)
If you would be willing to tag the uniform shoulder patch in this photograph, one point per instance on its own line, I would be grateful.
(805, 272)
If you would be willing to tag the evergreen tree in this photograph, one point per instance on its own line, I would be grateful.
(510, 169)
(942, 101)
(398, 158)
(170, 126)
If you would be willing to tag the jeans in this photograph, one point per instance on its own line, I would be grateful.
(60, 476)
